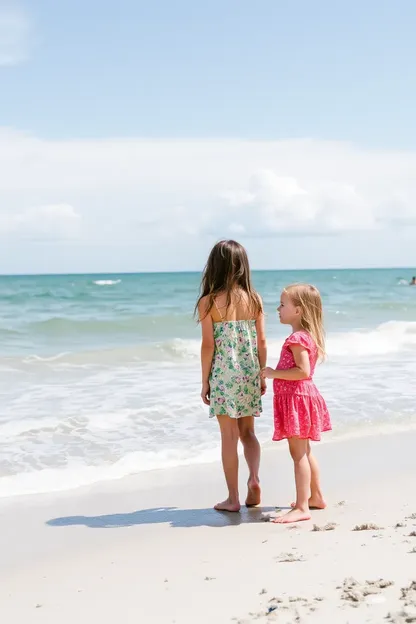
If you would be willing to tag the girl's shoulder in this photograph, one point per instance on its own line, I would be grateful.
(236, 306)
(204, 307)
(301, 338)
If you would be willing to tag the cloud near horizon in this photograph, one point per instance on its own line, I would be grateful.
(132, 191)
(49, 223)
(15, 35)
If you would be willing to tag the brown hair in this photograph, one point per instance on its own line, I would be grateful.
(227, 270)
(308, 298)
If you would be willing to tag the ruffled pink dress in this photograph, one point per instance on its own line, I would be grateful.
(299, 409)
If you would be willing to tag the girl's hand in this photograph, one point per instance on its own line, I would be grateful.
(263, 386)
(267, 373)
(205, 393)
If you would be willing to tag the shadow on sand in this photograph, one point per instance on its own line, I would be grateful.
(172, 515)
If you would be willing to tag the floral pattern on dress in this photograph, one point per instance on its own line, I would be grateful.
(235, 388)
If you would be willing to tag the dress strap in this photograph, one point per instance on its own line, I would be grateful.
(218, 310)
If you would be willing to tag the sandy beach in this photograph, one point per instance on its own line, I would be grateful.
(200, 204)
(149, 548)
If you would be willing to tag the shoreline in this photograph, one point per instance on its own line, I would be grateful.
(169, 557)
(340, 436)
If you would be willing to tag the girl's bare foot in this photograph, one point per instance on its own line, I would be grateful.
(296, 515)
(227, 505)
(254, 493)
(315, 502)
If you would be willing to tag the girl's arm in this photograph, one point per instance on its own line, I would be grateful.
(261, 340)
(301, 371)
(207, 348)
(261, 347)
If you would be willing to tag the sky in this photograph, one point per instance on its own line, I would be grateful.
(133, 135)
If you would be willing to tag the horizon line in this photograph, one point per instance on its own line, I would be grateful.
(195, 271)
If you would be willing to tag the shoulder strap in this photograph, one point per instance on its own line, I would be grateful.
(218, 310)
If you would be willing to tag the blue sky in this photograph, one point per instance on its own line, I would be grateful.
(234, 68)
(319, 85)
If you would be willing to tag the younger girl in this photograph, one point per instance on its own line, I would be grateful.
(232, 353)
(300, 412)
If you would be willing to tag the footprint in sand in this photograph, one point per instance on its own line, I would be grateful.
(355, 592)
(403, 617)
(330, 526)
(286, 608)
(289, 558)
(408, 614)
(408, 595)
(368, 526)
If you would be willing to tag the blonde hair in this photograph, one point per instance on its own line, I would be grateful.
(308, 299)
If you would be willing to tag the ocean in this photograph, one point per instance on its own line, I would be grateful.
(100, 373)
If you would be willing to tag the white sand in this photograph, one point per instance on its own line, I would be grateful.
(150, 549)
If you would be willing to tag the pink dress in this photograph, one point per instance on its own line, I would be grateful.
(299, 409)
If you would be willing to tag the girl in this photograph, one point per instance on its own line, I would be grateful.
(233, 352)
(300, 413)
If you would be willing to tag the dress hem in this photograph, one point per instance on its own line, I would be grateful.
(309, 437)
(236, 417)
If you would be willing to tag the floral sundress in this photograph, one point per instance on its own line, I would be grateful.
(235, 388)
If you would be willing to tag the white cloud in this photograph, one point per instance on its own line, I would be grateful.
(276, 204)
(49, 223)
(162, 196)
(15, 35)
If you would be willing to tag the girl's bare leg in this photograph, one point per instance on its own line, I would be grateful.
(316, 500)
(252, 454)
(229, 441)
(299, 452)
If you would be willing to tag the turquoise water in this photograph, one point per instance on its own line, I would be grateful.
(100, 374)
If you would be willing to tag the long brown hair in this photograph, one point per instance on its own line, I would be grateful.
(227, 270)
(308, 298)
